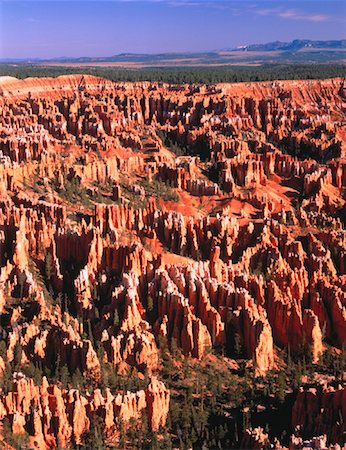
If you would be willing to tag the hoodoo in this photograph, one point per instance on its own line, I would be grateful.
(153, 234)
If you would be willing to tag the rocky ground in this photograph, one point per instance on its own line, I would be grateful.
(172, 264)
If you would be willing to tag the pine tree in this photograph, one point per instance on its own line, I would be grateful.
(64, 375)
(150, 304)
(237, 344)
(48, 266)
(21, 280)
(90, 333)
(281, 386)
(17, 359)
(116, 318)
(77, 379)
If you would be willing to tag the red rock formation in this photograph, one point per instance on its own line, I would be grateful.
(254, 438)
(57, 416)
(98, 259)
(320, 410)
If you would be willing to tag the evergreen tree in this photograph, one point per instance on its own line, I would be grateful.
(281, 386)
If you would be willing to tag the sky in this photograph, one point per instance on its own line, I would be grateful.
(74, 28)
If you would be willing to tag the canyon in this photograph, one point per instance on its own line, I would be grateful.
(144, 218)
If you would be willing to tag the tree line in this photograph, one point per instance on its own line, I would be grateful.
(181, 75)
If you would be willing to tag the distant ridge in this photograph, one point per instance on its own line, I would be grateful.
(277, 52)
(297, 44)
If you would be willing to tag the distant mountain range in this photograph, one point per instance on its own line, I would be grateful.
(292, 46)
(296, 51)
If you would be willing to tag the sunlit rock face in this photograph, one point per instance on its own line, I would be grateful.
(210, 218)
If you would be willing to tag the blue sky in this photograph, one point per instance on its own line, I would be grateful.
(47, 28)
